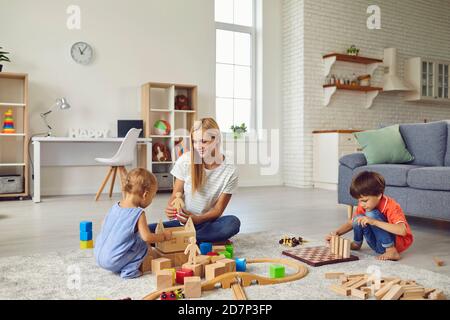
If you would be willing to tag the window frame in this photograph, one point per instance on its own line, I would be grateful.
(252, 31)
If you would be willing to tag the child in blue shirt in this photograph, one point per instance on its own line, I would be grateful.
(121, 246)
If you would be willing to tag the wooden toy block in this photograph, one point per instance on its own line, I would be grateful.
(214, 270)
(180, 237)
(241, 264)
(192, 287)
(336, 246)
(366, 289)
(177, 258)
(218, 248)
(356, 275)
(384, 290)
(174, 273)
(203, 259)
(276, 271)
(160, 264)
(352, 281)
(164, 279)
(412, 298)
(437, 295)
(85, 226)
(359, 284)
(347, 250)
(340, 290)
(86, 244)
(428, 291)
(182, 273)
(226, 254)
(439, 262)
(334, 275)
(414, 292)
(214, 259)
(146, 266)
(85, 235)
(197, 269)
(206, 247)
(394, 293)
(341, 248)
(343, 279)
(332, 244)
(230, 265)
(359, 294)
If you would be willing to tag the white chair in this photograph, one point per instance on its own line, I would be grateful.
(123, 157)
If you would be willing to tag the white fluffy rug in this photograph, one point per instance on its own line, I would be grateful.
(74, 275)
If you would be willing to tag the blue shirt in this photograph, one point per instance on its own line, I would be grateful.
(118, 247)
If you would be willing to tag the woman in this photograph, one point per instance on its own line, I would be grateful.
(207, 182)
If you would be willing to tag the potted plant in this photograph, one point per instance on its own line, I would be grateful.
(238, 131)
(3, 57)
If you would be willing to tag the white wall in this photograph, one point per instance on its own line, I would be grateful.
(415, 28)
(134, 42)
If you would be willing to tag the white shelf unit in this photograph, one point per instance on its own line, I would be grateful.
(158, 103)
(14, 147)
(429, 79)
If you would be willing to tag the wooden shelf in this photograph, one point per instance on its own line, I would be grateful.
(160, 136)
(352, 87)
(12, 134)
(12, 75)
(160, 110)
(5, 104)
(353, 59)
(184, 111)
(12, 164)
(162, 162)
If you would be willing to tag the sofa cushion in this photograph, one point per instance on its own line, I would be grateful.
(394, 174)
(353, 160)
(427, 142)
(431, 178)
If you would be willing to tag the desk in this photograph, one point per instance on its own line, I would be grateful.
(64, 151)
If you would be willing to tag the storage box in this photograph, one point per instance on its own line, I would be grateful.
(165, 181)
(11, 184)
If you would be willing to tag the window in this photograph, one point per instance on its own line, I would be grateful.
(235, 73)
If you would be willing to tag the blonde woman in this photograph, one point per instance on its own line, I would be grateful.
(207, 181)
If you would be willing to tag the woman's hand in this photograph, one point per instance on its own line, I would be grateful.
(171, 212)
(187, 214)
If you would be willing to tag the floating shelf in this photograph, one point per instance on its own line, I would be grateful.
(371, 92)
(12, 164)
(12, 134)
(330, 59)
(6, 104)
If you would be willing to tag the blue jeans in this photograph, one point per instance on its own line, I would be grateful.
(219, 230)
(377, 239)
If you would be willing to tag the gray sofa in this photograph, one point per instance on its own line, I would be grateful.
(422, 187)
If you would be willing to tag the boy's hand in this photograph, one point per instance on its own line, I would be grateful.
(364, 221)
(171, 212)
(328, 237)
(167, 235)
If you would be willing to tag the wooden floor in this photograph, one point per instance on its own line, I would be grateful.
(26, 227)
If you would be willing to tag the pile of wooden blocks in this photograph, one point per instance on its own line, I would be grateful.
(340, 247)
(363, 286)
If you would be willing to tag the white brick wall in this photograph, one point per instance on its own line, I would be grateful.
(313, 28)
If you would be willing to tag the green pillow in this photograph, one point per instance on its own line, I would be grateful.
(384, 145)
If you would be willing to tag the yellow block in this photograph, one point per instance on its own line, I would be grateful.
(86, 244)
(174, 273)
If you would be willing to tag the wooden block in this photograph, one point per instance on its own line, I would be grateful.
(340, 290)
(359, 284)
(437, 295)
(359, 294)
(214, 259)
(413, 298)
(428, 291)
(347, 250)
(177, 258)
(394, 293)
(384, 290)
(203, 259)
(341, 248)
(192, 287)
(218, 248)
(198, 269)
(439, 262)
(403, 283)
(414, 292)
(343, 279)
(356, 275)
(230, 265)
(174, 273)
(353, 281)
(336, 246)
(164, 279)
(146, 266)
(160, 264)
(334, 275)
(214, 270)
(332, 243)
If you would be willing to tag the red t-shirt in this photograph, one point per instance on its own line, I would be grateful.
(394, 215)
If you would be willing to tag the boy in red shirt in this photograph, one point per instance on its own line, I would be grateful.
(378, 218)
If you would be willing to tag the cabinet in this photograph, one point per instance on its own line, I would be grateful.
(14, 146)
(158, 103)
(429, 79)
(328, 148)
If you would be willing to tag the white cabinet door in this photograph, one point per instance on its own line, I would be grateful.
(428, 79)
(442, 82)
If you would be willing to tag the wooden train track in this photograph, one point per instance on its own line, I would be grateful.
(246, 279)
(238, 291)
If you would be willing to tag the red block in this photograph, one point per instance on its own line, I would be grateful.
(181, 273)
(212, 254)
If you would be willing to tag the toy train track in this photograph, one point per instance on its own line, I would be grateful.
(228, 279)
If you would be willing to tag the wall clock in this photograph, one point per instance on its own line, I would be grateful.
(82, 53)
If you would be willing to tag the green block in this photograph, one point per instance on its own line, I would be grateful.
(226, 254)
(276, 271)
(230, 249)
